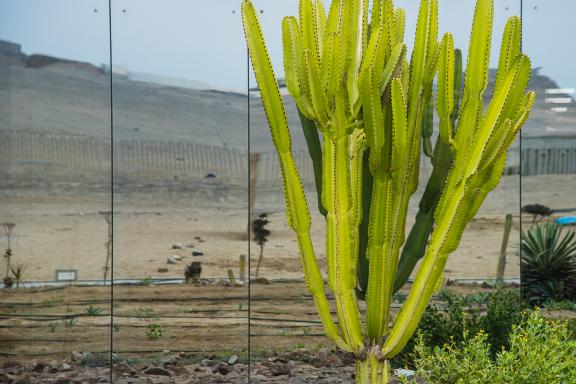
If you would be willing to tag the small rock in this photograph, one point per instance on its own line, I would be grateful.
(11, 364)
(222, 369)
(260, 280)
(65, 367)
(171, 260)
(170, 360)
(177, 257)
(157, 371)
(189, 245)
(62, 380)
(197, 253)
(280, 370)
(162, 270)
(23, 379)
(407, 373)
(76, 356)
(122, 368)
(199, 239)
(207, 362)
(39, 366)
(87, 357)
(233, 359)
(177, 246)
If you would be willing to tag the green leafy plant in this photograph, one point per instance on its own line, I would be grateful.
(494, 313)
(93, 311)
(193, 272)
(351, 80)
(538, 211)
(8, 282)
(154, 331)
(71, 322)
(548, 263)
(541, 352)
(146, 281)
(18, 273)
(146, 312)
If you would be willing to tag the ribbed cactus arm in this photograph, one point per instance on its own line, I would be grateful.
(296, 206)
(477, 170)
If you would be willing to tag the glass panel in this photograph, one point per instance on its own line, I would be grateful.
(549, 140)
(55, 185)
(180, 186)
(284, 316)
(476, 259)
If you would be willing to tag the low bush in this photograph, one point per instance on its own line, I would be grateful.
(494, 313)
(540, 351)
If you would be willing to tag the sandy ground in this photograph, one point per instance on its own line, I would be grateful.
(63, 230)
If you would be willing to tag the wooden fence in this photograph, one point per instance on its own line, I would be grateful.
(32, 153)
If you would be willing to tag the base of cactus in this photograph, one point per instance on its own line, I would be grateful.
(372, 370)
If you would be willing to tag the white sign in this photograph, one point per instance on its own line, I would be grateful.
(66, 275)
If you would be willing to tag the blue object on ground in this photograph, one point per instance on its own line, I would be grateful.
(566, 220)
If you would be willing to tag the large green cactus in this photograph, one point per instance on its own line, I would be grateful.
(352, 83)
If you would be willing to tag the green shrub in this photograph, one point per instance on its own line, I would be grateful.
(494, 312)
(541, 352)
(548, 263)
(154, 331)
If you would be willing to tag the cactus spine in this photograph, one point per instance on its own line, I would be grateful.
(353, 84)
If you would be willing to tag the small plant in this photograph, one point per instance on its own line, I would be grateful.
(147, 313)
(146, 281)
(548, 263)
(231, 277)
(494, 313)
(8, 282)
(116, 327)
(537, 211)
(8, 231)
(52, 327)
(260, 236)
(18, 273)
(71, 322)
(154, 331)
(399, 297)
(107, 215)
(284, 332)
(93, 311)
(541, 352)
(193, 272)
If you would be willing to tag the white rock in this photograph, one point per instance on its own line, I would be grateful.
(171, 260)
(407, 373)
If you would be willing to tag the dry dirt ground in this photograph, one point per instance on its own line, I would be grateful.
(202, 328)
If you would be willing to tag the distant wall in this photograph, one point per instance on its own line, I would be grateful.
(28, 153)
